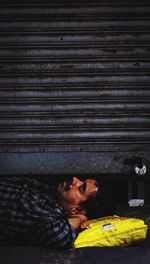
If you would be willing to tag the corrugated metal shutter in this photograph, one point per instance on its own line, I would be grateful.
(75, 84)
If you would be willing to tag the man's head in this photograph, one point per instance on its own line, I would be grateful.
(73, 193)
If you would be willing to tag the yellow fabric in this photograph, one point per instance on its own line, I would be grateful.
(111, 231)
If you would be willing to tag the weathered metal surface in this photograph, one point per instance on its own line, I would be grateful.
(74, 78)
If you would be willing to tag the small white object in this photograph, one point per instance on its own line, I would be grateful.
(108, 227)
(136, 202)
(140, 170)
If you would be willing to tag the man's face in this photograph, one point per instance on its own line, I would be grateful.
(73, 192)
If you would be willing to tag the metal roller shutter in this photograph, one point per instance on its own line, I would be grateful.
(74, 87)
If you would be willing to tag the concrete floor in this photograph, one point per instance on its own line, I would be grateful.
(39, 255)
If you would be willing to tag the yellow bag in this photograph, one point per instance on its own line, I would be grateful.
(111, 231)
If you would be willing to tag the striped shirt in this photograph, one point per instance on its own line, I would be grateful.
(31, 214)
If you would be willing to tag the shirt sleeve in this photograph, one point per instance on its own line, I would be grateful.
(55, 232)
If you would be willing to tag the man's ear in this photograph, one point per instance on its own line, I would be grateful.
(77, 210)
(73, 211)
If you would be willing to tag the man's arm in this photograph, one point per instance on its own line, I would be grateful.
(55, 233)
(77, 220)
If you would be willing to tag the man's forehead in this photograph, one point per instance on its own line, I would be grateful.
(92, 181)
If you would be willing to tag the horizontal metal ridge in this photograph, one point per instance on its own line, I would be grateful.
(69, 32)
(73, 128)
(88, 66)
(75, 24)
(110, 29)
(105, 50)
(77, 113)
(72, 52)
(74, 93)
(112, 136)
(79, 73)
(82, 79)
(105, 106)
(73, 116)
(76, 9)
(64, 85)
(95, 19)
(75, 100)
(37, 44)
(75, 86)
(88, 142)
(107, 15)
(75, 45)
(78, 31)
(76, 60)
(85, 121)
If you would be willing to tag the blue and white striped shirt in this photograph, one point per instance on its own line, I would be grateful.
(31, 214)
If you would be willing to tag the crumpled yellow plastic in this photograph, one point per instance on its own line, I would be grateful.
(111, 231)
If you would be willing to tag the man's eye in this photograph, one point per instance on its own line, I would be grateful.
(82, 188)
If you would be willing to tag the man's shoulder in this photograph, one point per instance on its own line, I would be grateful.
(26, 185)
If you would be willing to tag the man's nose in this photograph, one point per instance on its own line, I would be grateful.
(76, 181)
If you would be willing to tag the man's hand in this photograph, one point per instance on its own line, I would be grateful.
(77, 220)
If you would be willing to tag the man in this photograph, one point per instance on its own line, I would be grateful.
(33, 213)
